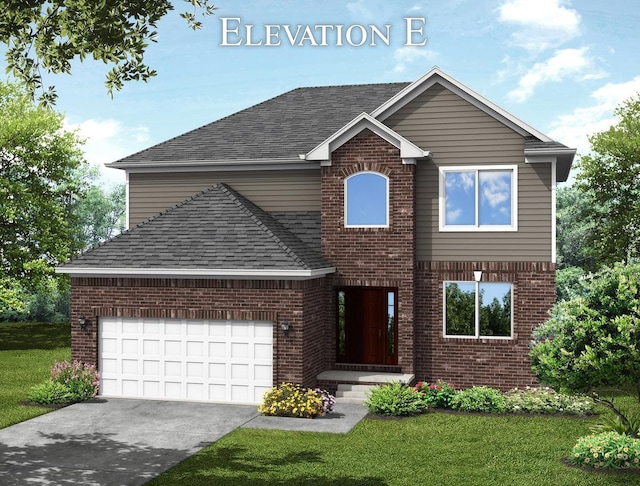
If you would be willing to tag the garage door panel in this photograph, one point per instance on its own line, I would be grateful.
(228, 361)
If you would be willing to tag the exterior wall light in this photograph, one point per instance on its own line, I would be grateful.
(477, 274)
(285, 327)
(83, 322)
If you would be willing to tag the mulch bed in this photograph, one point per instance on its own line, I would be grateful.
(618, 472)
(52, 406)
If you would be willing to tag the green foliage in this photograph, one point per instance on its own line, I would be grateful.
(44, 36)
(51, 392)
(608, 450)
(438, 394)
(100, 215)
(289, 400)
(569, 283)
(395, 399)
(48, 303)
(593, 341)
(614, 423)
(611, 174)
(546, 401)
(479, 399)
(38, 167)
(69, 382)
(575, 226)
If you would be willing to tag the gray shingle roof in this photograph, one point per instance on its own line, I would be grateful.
(282, 127)
(216, 229)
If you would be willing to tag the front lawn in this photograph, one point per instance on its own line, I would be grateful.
(436, 449)
(27, 352)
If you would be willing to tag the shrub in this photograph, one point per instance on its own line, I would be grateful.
(546, 400)
(50, 393)
(289, 400)
(395, 399)
(69, 382)
(438, 394)
(479, 399)
(608, 450)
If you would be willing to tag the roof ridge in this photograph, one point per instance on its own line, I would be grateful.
(242, 201)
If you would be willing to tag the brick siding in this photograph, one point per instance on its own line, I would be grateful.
(298, 302)
(375, 257)
(465, 361)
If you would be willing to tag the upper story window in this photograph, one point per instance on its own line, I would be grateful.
(366, 196)
(479, 198)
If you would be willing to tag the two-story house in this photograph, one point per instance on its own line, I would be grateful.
(393, 228)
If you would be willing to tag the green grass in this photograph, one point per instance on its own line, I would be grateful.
(27, 352)
(435, 449)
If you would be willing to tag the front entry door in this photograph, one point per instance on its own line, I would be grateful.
(367, 329)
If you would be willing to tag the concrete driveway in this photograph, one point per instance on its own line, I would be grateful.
(112, 441)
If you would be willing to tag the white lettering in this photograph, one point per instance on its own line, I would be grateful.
(292, 39)
(323, 33)
(339, 35)
(411, 30)
(363, 35)
(307, 36)
(226, 31)
(249, 28)
(272, 31)
(375, 31)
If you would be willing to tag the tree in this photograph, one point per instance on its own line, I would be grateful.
(47, 35)
(611, 173)
(100, 215)
(593, 341)
(575, 210)
(39, 164)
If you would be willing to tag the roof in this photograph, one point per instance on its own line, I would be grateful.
(280, 128)
(217, 233)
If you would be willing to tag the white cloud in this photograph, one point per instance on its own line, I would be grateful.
(107, 141)
(573, 129)
(541, 24)
(573, 63)
(408, 55)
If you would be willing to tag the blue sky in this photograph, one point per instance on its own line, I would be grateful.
(561, 66)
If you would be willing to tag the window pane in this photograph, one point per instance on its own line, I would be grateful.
(341, 323)
(391, 323)
(460, 308)
(460, 197)
(366, 200)
(495, 309)
(495, 197)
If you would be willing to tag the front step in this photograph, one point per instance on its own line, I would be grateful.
(352, 386)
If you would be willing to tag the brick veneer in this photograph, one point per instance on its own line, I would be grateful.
(465, 361)
(299, 302)
(376, 257)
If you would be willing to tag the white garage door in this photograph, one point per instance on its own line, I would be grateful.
(181, 359)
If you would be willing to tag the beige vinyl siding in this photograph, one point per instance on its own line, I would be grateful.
(458, 133)
(277, 190)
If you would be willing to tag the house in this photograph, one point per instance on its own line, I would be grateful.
(391, 228)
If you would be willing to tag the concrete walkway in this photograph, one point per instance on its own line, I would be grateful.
(111, 442)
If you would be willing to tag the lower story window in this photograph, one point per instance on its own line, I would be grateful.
(478, 309)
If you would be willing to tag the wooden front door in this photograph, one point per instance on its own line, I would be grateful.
(367, 325)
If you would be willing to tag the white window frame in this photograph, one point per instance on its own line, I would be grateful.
(346, 199)
(477, 227)
(477, 334)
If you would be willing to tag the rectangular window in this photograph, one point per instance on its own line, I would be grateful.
(478, 198)
(478, 309)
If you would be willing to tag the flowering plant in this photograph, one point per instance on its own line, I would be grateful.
(546, 400)
(438, 394)
(289, 400)
(69, 382)
(608, 450)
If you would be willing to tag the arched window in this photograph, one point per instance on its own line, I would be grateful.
(366, 200)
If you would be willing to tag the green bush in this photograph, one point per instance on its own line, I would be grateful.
(608, 450)
(69, 382)
(395, 399)
(289, 400)
(438, 394)
(50, 392)
(546, 400)
(479, 399)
